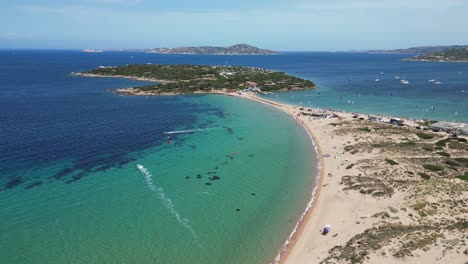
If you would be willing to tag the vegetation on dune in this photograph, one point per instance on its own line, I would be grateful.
(365, 129)
(441, 153)
(191, 78)
(464, 160)
(391, 162)
(424, 175)
(464, 176)
(424, 136)
(433, 167)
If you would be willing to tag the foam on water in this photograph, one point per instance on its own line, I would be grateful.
(167, 202)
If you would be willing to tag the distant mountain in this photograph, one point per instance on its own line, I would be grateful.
(238, 49)
(454, 55)
(415, 50)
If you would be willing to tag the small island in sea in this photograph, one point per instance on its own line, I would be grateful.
(451, 55)
(238, 49)
(187, 79)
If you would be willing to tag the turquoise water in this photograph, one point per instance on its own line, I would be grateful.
(166, 214)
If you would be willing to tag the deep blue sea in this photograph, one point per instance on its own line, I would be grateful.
(70, 191)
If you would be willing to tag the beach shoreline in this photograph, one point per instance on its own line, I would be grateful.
(306, 214)
(353, 213)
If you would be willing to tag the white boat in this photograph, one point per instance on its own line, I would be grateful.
(438, 82)
(404, 82)
(381, 73)
(431, 80)
(396, 77)
(377, 80)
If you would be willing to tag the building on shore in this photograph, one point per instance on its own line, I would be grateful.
(248, 84)
(443, 126)
(449, 127)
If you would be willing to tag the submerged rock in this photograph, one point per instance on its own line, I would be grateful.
(13, 183)
(32, 185)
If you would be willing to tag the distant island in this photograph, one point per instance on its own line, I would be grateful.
(188, 79)
(451, 55)
(92, 51)
(238, 49)
(414, 50)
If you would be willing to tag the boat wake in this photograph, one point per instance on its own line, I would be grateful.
(184, 131)
(167, 202)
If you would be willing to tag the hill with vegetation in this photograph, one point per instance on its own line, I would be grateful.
(238, 49)
(452, 55)
(185, 79)
(416, 50)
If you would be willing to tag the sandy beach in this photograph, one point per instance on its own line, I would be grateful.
(383, 204)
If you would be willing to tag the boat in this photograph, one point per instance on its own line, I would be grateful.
(438, 82)
(381, 73)
(431, 80)
(377, 79)
(396, 77)
(404, 82)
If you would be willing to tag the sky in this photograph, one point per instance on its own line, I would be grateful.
(294, 25)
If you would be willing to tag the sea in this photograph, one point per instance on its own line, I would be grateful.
(89, 176)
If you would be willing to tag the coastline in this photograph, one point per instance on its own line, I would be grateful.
(312, 203)
(79, 74)
(356, 209)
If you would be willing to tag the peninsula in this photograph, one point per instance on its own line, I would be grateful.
(414, 50)
(238, 49)
(391, 194)
(451, 55)
(187, 79)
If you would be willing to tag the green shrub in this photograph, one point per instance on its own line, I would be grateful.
(365, 129)
(464, 176)
(439, 148)
(433, 167)
(408, 143)
(441, 143)
(462, 140)
(464, 160)
(391, 162)
(452, 163)
(424, 136)
(427, 148)
(445, 154)
(424, 175)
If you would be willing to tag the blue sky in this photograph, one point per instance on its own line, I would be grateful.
(295, 25)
